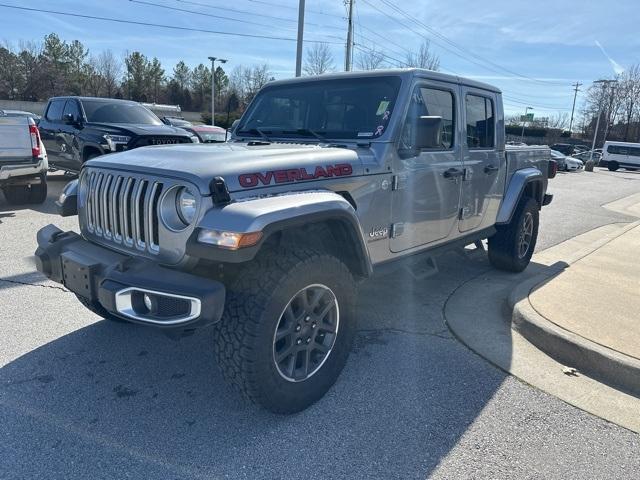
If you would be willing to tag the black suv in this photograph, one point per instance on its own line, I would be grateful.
(75, 129)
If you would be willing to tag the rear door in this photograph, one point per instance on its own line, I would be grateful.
(70, 157)
(426, 195)
(484, 163)
(50, 126)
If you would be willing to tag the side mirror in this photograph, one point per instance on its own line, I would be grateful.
(69, 119)
(165, 120)
(67, 203)
(428, 133)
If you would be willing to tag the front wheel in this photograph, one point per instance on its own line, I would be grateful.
(613, 166)
(287, 329)
(511, 247)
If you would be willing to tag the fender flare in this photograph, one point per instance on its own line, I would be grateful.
(275, 214)
(517, 185)
(90, 145)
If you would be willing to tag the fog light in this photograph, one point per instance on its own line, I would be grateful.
(147, 301)
(229, 240)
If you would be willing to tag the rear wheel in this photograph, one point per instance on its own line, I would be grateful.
(613, 166)
(512, 245)
(16, 194)
(38, 193)
(288, 327)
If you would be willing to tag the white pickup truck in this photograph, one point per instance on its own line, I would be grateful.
(23, 160)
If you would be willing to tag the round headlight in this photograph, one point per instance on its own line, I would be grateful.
(186, 205)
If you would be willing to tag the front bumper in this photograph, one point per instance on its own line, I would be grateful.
(10, 172)
(122, 284)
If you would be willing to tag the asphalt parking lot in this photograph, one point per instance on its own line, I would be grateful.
(83, 397)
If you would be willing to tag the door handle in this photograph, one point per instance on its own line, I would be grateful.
(489, 169)
(453, 173)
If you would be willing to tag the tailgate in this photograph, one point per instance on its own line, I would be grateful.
(15, 140)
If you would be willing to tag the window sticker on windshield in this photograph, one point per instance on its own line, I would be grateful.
(379, 130)
(365, 134)
(382, 107)
(385, 117)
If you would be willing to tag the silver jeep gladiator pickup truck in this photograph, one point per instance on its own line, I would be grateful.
(266, 237)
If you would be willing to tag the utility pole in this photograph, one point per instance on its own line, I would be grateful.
(348, 54)
(575, 94)
(300, 38)
(605, 84)
(213, 86)
(524, 122)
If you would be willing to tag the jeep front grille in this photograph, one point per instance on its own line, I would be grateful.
(123, 209)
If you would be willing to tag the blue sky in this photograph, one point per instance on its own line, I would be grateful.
(533, 50)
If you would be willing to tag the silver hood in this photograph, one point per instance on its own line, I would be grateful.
(243, 166)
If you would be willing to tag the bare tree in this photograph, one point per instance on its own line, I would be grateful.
(93, 80)
(319, 60)
(560, 121)
(630, 96)
(245, 82)
(110, 69)
(370, 59)
(423, 58)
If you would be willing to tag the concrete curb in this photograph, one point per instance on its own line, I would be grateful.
(606, 365)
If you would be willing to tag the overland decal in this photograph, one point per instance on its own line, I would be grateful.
(248, 180)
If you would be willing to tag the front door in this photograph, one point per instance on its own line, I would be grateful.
(427, 183)
(484, 163)
(50, 126)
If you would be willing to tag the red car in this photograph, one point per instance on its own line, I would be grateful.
(206, 133)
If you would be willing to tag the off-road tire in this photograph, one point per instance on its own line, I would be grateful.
(38, 193)
(613, 166)
(244, 338)
(504, 244)
(98, 309)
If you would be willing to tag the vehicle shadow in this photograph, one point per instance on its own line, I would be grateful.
(55, 184)
(120, 396)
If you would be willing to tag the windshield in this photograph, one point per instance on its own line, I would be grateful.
(211, 137)
(178, 122)
(350, 108)
(98, 111)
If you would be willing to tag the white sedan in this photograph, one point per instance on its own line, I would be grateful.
(573, 164)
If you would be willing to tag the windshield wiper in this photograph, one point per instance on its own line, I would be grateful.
(256, 131)
(307, 133)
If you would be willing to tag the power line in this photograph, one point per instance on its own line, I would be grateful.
(159, 25)
(465, 55)
(141, 2)
(534, 103)
(254, 14)
(192, 12)
(362, 48)
(280, 5)
(460, 47)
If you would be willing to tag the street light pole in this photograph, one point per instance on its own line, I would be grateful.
(605, 84)
(213, 86)
(524, 122)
